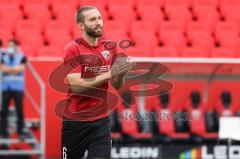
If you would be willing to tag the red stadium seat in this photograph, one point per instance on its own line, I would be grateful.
(158, 3)
(231, 13)
(226, 28)
(130, 3)
(149, 41)
(5, 35)
(173, 40)
(199, 3)
(130, 126)
(227, 3)
(30, 51)
(77, 32)
(33, 38)
(9, 26)
(96, 3)
(206, 14)
(179, 13)
(150, 14)
(38, 12)
(227, 35)
(115, 25)
(174, 3)
(57, 37)
(171, 27)
(59, 24)
(201, 39)
(139, 52)
(143, 26)
(49, 51)
(72, 3)
(27, 25)
(116, 35)
(223, 53)
(16, 3)
(167, 127)
(195, 52)
(194, 27)
(122, 13)
(10, 12)
(166, 52)
(64, 12)
(37, 2)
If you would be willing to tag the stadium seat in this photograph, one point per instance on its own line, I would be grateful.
(149, 41)
(116, 35)
(231, 14)
(116, 25)
(49, 51)
(96, 3)
(130, 126)
(227, 35)
(173, 40)
(223, 53)
(5, 35)
(27, 25)
(177, 3)
(29, 51)
(37, 2)
(171, 27)
(59, 24)
(64, 12)
(226, 28)
(139, 52)
(195, 52)
(203, 3)
(33, 39)
(198, 26)
(179, 13)
(166, 52)
(227, 3)
(72, 3)
(38, 12)
(57, 37)
(144, 26)
(150, 14)
(206, 14)
(16, 3)
(9, 26)
(10, 12)
(122, 13)
(77, 32)
(130, 3)
(158, 3)
(201, 39)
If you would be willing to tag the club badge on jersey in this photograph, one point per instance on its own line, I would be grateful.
(106, 54)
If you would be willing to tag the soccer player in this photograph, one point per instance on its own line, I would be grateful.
(95, 68)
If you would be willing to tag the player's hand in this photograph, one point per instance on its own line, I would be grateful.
(121, 67)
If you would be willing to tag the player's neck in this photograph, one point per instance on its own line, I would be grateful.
(90, 40)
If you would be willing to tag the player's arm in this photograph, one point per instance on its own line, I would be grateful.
(78, 84)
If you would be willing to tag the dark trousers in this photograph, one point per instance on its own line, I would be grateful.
(17, 96)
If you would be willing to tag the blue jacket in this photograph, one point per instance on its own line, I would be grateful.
(9, 81)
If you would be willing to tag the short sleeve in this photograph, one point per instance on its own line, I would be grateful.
(72, 60)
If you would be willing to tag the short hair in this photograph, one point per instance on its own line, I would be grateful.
(1, 43)
(15, 41)
(79, 15)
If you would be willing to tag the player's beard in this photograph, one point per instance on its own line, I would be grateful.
(91, 32)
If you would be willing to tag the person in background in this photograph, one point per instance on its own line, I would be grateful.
(13, 64)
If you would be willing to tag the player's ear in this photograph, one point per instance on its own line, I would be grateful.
(80, 25)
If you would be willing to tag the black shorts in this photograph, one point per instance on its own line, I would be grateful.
(95, 137)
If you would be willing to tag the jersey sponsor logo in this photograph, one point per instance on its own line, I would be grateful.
(98, 69)
(106, 54)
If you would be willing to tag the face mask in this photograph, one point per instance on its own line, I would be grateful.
(11, 50)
